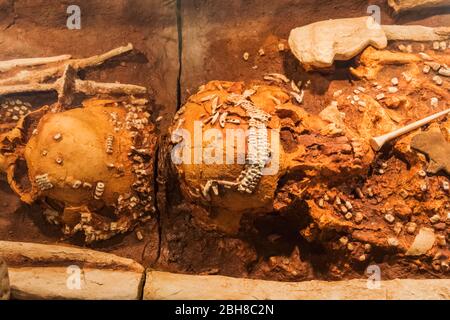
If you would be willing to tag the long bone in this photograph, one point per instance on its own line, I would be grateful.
(29, 62)
(416, 33)
(378, 142)
(68, 84)
(37, 76)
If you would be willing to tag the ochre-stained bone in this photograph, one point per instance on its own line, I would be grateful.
(11, 64)
(400, 6)
(39, 271)
(372, 61)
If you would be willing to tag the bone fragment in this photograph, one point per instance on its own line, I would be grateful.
(11, 64)
(378, 142)
(169, 286)
(400, 6)
(39, 271)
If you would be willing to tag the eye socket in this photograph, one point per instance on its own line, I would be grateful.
(20, 176)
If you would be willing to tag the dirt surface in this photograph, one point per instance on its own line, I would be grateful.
(213, 37)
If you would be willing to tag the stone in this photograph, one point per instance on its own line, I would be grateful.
(317, 45)
(422, 243)
(39, 271)
(400, 6)
(433, 144)
(165, 285)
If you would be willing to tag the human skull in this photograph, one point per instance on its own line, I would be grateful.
(281, 141)
(92, 167)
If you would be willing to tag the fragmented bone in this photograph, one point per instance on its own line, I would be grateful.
(400, 6)
(378, 142)
(372, 61)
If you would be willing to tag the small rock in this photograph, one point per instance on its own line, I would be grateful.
(443, 45)
(337, 93)
(389, 218)
(423, 242)
(343, 240)
(435, 219)
(407, 76)
(434, 65)
(394, 81)
(392, 242)
(392, 89)
(425, 56)
(398, 228)
(411, 227)
(261, 52)
(402, 47)
(438, 80)
(426, 69)
(434, 102)
(380, 96)
(359, 217)
(435, 45)
(246, 56)
(440, 239)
